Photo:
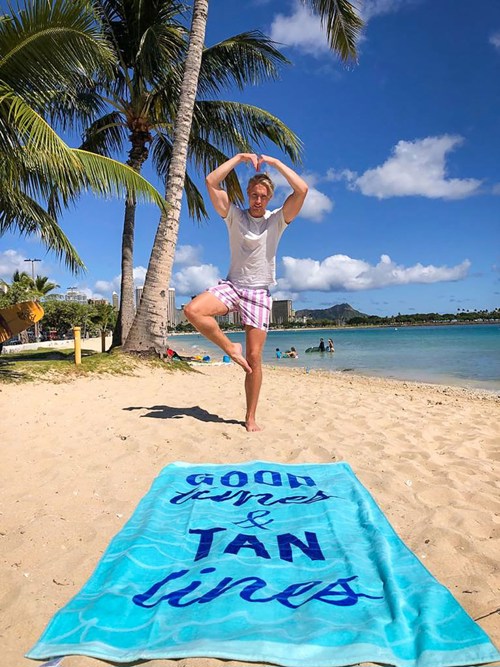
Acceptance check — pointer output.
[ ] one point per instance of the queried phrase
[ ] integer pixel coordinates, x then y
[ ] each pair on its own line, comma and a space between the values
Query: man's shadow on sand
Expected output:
169, 412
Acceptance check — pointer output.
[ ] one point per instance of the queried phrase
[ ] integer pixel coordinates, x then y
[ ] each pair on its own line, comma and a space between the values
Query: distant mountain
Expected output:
342, 312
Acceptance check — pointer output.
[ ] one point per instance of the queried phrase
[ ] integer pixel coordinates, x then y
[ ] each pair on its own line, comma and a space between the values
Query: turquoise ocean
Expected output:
463, 355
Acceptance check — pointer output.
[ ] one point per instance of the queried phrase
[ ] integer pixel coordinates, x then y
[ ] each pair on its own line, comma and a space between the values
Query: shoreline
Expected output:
300, 364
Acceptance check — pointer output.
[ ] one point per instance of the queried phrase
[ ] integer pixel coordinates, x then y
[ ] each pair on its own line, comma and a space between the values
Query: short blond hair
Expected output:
262, 179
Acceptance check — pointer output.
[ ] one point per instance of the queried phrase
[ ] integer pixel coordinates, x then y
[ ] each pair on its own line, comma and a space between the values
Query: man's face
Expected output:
258, 198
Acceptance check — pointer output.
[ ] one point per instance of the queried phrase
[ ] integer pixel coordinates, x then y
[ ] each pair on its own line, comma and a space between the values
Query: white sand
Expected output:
77, 458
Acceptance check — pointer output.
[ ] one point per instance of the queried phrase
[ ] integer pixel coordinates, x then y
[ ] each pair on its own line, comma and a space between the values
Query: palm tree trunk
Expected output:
149, 329
139, 153
126, 309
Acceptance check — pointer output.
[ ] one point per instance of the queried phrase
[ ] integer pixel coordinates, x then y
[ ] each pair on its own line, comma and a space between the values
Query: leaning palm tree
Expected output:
148, 330
47, 47
150, 45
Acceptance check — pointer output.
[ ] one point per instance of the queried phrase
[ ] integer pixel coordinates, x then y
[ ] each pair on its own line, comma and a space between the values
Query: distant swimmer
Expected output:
321, 345
330, 345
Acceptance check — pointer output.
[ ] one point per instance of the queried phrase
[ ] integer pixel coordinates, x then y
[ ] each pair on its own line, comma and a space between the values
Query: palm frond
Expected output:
236, 126
247, 58
195, 201
205, 157
21, 213
162, 154
204, 153
75, 109
106, 135
107, 177
47, 42
342, 23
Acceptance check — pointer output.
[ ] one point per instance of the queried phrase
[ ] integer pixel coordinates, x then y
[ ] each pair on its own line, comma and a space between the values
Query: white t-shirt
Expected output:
253, 243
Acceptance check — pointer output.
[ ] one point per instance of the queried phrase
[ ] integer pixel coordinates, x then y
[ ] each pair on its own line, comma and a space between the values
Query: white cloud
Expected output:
495, 39
343, 273
189, 278
302, 29
285, 295
344, 174
11, 261
113, 285
192, 280
139, 274
496, 189
108, 285
316, 205
417, 168
187, 254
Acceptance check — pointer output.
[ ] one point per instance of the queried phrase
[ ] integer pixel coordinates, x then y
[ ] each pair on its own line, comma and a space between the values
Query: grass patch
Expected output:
49, 365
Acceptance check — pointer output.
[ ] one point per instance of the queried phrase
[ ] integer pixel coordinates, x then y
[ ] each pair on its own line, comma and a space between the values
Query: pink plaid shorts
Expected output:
253, 305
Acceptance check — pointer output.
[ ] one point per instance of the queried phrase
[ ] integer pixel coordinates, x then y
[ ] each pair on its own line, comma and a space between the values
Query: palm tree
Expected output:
42, 286
45, 48
150, 45
149, 327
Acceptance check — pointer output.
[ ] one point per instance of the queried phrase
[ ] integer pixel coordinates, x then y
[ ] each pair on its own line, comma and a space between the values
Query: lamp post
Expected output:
37, 329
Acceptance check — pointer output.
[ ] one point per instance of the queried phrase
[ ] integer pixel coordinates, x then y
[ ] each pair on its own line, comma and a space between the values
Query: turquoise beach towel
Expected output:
287, 564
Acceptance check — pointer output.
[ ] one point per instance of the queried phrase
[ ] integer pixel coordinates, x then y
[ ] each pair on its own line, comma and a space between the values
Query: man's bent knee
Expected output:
204, 305
190, 311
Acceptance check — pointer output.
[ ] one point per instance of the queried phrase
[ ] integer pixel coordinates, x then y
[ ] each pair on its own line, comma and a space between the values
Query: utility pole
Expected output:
37, 328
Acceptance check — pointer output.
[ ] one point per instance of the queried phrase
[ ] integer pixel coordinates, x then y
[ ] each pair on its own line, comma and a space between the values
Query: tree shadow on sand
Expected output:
169, 412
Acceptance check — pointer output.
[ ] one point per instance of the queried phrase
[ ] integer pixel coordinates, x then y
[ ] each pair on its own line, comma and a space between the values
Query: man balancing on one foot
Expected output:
253, 238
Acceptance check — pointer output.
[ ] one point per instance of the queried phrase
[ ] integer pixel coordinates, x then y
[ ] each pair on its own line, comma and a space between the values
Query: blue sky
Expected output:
400, 153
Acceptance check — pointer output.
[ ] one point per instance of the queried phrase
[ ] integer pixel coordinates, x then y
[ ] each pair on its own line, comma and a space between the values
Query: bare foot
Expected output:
237, 356
251, 425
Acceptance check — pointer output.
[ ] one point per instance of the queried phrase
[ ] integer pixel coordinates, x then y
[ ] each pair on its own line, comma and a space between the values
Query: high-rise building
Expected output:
138, 296
114, 300
171, 311
281, 312
73, 294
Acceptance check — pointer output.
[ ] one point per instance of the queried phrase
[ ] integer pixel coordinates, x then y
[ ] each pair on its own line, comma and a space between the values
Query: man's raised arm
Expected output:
217, 194
293, 203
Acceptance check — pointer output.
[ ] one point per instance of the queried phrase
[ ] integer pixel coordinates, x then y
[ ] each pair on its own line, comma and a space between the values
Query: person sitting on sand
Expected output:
254, 235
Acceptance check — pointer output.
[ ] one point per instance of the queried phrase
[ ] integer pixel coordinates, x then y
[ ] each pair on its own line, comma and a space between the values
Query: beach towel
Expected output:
287, 564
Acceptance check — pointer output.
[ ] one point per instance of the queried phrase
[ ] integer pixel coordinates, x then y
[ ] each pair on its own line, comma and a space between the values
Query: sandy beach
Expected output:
77, 457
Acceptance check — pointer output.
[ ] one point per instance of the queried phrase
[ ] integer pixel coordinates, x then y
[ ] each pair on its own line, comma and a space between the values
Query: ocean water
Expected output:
464, 355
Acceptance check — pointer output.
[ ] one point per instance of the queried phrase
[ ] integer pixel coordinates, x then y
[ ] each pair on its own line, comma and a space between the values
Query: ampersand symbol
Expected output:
251, 520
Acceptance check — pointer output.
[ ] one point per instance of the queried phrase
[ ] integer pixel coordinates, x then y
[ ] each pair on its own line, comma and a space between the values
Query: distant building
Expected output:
96, 302
171, 310
138, 296
115, 301
224, 319
73, 294
282, 311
